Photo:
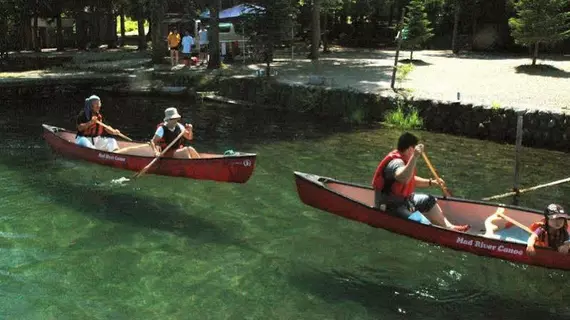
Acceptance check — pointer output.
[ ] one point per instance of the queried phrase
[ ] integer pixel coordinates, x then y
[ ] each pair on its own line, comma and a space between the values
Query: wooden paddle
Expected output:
109, 128
513, 221
512, 193
432, 169
145, 169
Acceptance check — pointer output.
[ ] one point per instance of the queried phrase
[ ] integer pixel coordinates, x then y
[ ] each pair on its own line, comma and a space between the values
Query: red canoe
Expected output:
355, 202
236, 168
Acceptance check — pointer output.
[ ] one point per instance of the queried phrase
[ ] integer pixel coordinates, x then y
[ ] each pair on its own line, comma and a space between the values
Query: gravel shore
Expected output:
482, 79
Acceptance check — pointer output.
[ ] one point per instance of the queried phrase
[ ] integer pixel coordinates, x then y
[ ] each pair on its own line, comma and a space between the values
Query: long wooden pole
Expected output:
395, 69
540, 186
518, 149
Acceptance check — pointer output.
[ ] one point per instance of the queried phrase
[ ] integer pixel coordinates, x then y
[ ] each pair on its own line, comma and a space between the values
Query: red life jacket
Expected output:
169, 136
94, 130
396, 188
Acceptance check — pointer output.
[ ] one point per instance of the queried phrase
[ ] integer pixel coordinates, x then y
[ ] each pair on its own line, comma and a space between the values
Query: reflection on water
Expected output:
74, 245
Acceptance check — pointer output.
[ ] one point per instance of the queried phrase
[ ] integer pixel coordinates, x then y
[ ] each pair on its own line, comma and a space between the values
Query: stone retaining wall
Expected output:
541, 129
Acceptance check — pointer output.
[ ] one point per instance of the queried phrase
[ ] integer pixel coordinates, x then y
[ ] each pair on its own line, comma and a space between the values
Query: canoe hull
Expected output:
235, 168
313, 191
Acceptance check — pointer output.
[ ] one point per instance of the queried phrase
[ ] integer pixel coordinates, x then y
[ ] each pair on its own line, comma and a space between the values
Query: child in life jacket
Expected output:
551, 232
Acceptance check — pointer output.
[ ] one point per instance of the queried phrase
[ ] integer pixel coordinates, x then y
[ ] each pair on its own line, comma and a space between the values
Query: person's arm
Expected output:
530, 244
188, 134
155, 139
82, 126
404, 174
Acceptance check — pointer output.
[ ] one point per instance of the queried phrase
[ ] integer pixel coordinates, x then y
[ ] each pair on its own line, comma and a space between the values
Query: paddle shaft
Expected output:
515, 222
145, 169
512, 193
109, 128
432, 169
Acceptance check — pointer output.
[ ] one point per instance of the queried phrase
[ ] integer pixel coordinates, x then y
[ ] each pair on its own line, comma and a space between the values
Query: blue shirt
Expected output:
187, 43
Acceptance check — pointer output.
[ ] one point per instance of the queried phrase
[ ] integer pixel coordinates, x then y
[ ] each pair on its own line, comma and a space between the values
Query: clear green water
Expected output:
75, 246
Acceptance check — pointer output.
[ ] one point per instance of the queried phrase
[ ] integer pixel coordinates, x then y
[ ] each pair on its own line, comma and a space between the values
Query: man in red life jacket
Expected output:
395, 181
168, 131
90, 134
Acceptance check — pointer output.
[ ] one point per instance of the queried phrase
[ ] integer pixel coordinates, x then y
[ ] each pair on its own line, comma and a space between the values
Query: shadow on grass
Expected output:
543, 70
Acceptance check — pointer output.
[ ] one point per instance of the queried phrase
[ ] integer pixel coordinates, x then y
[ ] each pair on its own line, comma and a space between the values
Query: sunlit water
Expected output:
76, 246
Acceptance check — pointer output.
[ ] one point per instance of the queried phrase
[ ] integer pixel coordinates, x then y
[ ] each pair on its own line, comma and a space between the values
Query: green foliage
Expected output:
418, 25
130, 25
403, 71
405, 116
540, 21
268, 24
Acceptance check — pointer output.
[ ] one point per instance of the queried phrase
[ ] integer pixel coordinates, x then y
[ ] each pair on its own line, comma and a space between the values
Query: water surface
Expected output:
76, 246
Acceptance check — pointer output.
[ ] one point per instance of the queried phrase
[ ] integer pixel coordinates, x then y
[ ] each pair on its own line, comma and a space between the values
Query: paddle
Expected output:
109, 128
512, 193
432, 169
513, 221
145, 169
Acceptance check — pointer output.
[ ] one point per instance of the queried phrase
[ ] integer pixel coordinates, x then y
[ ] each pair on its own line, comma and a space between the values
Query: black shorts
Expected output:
418, 202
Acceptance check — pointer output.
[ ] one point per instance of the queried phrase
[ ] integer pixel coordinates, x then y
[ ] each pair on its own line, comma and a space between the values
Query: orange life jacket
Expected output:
394, 187
543, 238
169, 136
93, 130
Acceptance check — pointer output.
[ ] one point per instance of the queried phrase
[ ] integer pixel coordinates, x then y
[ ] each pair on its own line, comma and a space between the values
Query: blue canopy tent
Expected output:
233, 12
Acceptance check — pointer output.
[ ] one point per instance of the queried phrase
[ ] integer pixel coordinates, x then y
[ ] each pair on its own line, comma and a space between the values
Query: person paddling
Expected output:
552, 231
90, 132
395, 181
168, 131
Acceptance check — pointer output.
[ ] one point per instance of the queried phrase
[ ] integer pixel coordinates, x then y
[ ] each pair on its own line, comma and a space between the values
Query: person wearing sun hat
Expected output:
90, 133
552, 231
168, 131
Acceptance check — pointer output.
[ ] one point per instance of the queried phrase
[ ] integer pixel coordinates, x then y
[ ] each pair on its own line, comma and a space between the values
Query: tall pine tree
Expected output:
417, 25
540, 21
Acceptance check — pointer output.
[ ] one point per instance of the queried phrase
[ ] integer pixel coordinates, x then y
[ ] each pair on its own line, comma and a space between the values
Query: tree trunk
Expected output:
214, 35
159, 47
36, 33
81, 32
316, 30
142, 36
535, 54
111, 30
59, 36
326, 33
122, 17
454, 44
391, 15
411, 55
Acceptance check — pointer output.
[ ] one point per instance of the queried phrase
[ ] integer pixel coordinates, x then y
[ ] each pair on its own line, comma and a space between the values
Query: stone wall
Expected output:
541, 129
